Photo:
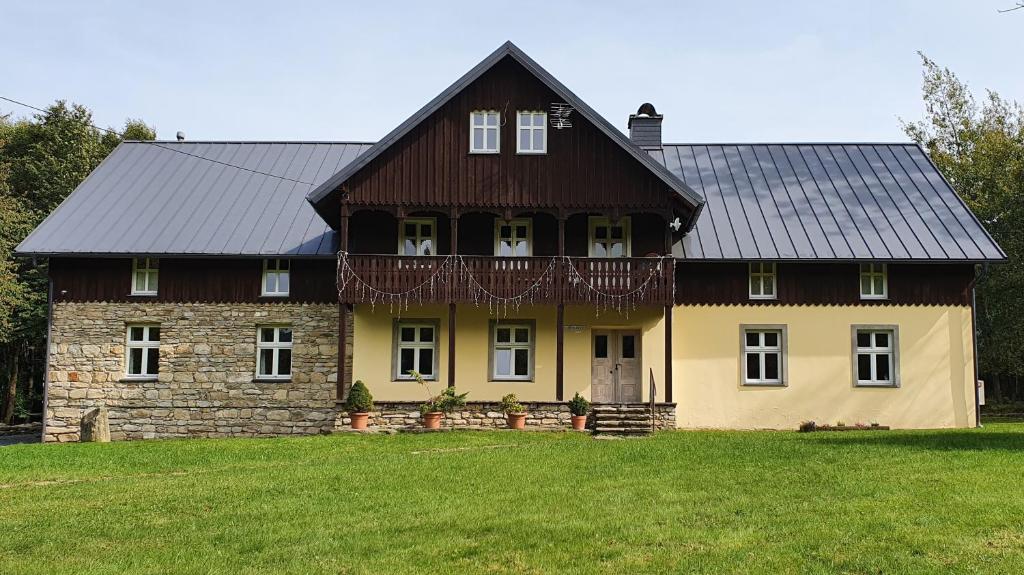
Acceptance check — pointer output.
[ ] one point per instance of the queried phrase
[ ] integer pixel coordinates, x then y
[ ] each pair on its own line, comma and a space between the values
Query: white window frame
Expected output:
485, 114
147, 346
892, 350
533, 129
762, 350
874, 272
149, 268
596, 221
762, 274
512, 346
275, 346
498, 223
417, 345
418, 240
272, 268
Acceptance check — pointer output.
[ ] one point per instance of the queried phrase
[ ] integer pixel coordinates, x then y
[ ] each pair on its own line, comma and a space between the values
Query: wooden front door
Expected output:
615, 366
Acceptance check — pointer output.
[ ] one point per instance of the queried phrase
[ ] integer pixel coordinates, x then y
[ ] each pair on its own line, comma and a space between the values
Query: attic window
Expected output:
483, 132
533, 133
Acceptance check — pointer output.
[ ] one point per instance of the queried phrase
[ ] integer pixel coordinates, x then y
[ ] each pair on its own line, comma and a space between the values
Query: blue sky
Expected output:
718, 71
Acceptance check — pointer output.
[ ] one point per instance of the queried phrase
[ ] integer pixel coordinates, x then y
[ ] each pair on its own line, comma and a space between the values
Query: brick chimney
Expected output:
645, 127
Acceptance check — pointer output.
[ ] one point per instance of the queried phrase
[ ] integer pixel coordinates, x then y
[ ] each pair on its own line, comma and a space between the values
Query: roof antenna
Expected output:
181, 136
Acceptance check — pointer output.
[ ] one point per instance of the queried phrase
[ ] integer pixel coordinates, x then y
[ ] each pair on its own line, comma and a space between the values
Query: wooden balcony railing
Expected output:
522, 280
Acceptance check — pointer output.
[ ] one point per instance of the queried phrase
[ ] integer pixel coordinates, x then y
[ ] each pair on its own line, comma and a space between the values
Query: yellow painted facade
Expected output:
935, 362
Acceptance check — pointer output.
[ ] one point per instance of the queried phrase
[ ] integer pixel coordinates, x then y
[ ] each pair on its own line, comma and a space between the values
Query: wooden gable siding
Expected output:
432, 166
824, 283
190, 280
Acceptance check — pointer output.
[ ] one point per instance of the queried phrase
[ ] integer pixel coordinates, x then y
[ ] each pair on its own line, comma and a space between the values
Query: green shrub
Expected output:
360, 400
510, 404
447, 402
578, 405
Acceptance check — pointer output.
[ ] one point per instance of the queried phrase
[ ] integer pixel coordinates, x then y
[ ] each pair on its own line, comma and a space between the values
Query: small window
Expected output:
274, 352
415, 350
601, 346
511, 351
145, 274
417, 237
276, 280
143, 351
762, 280
512, 238
874, 281
533, 132
875, 357
628, 347
764, 355
609, 239
483, 132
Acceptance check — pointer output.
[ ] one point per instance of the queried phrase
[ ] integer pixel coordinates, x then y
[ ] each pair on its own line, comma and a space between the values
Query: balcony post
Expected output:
454, 226
560, 314
342, 383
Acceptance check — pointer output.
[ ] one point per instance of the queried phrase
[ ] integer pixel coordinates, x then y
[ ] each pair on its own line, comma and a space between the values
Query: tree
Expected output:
980, 150
41, 161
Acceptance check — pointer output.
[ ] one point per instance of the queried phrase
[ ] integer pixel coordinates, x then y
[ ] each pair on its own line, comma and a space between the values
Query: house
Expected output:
508, 239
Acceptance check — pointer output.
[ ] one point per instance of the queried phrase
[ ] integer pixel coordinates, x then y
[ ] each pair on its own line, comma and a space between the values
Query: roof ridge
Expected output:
795, 143
347, 142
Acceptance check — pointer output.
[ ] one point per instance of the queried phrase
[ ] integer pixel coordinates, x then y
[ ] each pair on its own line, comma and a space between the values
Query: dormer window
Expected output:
483, 132
533, 133
874, 281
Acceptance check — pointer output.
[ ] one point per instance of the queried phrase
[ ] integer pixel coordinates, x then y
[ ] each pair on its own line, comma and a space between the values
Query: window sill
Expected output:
869, 385
763, 384
510, 380
484, 152
139, 379
528, 153
275, 295
271, 380
147, 294
763, 298
410, 380
874, 297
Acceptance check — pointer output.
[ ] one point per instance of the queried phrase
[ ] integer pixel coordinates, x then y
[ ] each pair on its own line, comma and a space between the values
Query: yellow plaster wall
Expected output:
372, 350
935, 362
936, 370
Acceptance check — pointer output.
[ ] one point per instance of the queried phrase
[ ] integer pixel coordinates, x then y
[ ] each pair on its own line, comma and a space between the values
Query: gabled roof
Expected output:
324, 197
189, 199
880, 202
872, 202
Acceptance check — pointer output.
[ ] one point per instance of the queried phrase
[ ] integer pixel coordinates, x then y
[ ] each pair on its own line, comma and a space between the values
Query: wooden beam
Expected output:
451, 345
342, 383
560, 353
668, 353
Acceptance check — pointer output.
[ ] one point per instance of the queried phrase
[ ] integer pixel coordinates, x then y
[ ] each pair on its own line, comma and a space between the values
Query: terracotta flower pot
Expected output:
359, 420
579, 422
432, 420
516, 420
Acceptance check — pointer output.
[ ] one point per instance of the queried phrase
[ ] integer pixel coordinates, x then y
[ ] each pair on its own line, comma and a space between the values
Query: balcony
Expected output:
544, 280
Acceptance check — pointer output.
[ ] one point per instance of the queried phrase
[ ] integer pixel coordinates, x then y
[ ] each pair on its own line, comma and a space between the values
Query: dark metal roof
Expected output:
322, 196
824, 202
183, 198
764, 201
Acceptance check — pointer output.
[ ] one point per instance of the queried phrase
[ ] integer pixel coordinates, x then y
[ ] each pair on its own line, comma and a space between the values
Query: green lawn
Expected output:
474, 502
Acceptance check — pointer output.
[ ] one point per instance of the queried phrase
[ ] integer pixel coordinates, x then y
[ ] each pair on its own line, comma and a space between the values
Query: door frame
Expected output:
614, 352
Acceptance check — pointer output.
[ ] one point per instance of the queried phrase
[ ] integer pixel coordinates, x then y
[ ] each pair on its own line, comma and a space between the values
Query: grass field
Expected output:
475, 502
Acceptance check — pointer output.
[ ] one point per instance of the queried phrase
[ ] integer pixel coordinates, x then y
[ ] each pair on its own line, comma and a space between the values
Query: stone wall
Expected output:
487, 415
206, 385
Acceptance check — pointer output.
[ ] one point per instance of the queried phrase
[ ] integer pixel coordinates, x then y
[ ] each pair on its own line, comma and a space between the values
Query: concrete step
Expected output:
622, 431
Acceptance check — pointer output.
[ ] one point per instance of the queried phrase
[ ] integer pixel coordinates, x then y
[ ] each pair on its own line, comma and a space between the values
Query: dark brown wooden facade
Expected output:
583, 169
184, 280
713, 283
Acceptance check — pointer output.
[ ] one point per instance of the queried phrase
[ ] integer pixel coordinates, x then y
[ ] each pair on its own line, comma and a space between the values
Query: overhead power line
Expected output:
159, 145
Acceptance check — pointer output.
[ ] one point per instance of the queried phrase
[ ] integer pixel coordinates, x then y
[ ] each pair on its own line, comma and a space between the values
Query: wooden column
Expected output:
454, 225
560, 315
668, 353
342, 385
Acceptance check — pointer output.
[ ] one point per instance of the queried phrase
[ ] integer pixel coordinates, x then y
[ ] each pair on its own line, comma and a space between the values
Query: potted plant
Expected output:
515, 413
359, 404
437, 405
579, 407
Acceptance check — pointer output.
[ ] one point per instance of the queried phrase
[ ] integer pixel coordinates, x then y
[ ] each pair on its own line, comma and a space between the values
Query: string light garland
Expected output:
453, 268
